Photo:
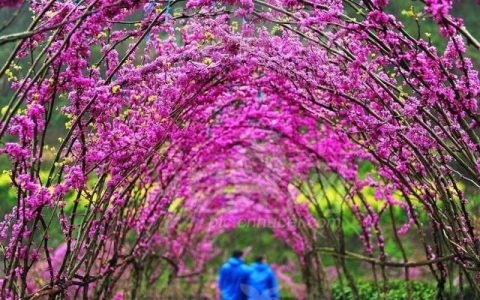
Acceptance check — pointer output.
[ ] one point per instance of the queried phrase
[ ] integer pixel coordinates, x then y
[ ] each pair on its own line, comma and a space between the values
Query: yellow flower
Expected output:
10, 75
234, 26
16, 67
276, 30
68, 160
409, 13
207, 61
4, 110
115, 89
152, 98
208, 36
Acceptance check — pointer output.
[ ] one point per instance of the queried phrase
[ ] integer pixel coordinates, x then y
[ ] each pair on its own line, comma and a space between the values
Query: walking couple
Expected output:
237, 281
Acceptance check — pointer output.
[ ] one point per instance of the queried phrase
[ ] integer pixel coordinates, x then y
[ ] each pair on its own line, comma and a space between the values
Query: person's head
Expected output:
260, 259
237, 253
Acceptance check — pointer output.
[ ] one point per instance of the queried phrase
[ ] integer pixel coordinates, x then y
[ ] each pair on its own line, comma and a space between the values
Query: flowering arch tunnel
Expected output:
185, 119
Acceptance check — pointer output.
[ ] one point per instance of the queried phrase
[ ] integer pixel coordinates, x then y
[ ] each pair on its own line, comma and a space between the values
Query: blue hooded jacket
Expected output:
262, 284
233, 276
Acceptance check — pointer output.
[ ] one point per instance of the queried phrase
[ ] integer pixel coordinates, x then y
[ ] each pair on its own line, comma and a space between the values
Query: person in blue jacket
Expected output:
233, 276
262, 284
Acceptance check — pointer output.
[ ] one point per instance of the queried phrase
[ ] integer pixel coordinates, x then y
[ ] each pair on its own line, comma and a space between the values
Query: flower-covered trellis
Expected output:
179, 114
